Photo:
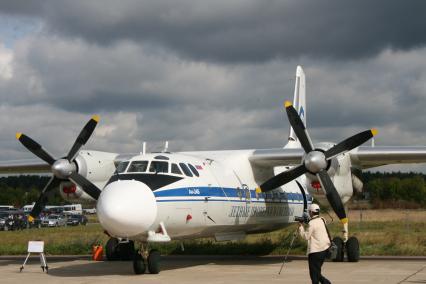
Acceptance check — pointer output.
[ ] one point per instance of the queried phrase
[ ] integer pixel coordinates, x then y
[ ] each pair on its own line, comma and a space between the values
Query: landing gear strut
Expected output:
142, 259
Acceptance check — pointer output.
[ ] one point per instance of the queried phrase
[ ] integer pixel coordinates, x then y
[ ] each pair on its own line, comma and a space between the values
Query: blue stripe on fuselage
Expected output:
213, 192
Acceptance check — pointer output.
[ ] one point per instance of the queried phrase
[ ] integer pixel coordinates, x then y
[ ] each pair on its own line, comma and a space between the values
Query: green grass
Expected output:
377, 238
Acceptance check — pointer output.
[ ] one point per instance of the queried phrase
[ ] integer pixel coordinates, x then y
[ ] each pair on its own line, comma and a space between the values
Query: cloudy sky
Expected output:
208, 74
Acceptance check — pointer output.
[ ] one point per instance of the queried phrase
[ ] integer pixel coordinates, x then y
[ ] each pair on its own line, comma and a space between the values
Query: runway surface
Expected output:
212, 269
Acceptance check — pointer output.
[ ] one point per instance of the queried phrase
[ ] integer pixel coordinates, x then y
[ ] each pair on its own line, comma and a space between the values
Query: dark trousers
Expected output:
316, 260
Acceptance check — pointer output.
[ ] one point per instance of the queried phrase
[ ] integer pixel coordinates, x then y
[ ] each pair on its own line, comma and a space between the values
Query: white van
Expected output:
28, 208
73, 209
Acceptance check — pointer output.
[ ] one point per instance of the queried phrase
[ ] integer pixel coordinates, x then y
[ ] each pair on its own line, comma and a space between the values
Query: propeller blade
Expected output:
43, 198
350, 143
86, 185
35, 148
298, 127
282, 178
332, 195
84, 135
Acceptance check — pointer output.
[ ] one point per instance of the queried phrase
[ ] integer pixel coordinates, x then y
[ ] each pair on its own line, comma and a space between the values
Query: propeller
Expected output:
316, 161
63, 168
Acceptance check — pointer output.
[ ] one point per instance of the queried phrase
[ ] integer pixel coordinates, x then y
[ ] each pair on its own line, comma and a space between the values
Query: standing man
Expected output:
318, 244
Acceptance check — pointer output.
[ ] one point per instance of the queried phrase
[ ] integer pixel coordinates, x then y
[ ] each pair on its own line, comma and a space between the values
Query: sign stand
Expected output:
36, 247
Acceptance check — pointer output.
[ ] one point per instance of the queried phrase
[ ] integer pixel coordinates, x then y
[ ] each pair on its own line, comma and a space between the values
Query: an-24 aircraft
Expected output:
158, 197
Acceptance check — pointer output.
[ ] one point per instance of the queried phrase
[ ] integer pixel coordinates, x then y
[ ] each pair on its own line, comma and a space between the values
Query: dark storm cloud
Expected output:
241, 31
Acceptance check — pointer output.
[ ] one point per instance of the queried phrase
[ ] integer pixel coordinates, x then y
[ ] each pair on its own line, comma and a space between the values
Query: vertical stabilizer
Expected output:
299, 103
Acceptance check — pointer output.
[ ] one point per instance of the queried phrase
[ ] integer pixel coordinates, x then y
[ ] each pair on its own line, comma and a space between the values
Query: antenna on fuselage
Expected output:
143, 148
166, 146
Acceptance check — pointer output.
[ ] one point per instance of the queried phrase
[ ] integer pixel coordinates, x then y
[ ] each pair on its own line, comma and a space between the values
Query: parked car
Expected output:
76, 219
12, 220
53, 221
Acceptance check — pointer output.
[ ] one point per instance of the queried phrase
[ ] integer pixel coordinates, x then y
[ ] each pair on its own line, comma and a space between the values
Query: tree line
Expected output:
382, 190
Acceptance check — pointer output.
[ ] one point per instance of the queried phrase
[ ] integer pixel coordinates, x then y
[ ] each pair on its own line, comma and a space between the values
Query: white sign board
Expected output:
36, 246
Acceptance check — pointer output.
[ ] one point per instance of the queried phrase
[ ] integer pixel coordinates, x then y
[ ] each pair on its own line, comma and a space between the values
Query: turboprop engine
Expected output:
339, 170
93, 165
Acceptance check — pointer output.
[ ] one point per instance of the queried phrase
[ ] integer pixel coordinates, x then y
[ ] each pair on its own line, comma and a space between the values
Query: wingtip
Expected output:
30, 218
258, 190
96, 118
344, 220
287, 104
374, 131
18, 135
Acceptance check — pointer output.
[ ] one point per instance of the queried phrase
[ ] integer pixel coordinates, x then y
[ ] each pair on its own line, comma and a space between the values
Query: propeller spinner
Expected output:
316, 161
62, 169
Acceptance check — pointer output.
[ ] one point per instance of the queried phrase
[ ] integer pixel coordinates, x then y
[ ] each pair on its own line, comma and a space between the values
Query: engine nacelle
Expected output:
96, 166
339, 170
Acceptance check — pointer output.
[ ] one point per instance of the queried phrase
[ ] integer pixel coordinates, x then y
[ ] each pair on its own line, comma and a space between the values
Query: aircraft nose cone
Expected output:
126, 208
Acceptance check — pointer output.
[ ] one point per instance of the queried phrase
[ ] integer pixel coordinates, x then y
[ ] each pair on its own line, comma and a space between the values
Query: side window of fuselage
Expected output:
194, 170
185, 169
175, 169
121, 167
138, 167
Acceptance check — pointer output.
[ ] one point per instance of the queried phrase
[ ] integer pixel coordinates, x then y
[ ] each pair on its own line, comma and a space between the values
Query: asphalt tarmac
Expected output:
212, 269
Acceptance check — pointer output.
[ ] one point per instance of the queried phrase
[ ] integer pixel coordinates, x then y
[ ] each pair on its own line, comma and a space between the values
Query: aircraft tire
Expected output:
340, 249
111, 251
139, 266
126, 251
352, 249
154, 261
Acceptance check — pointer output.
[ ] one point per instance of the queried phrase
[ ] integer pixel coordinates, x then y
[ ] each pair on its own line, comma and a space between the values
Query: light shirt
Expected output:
316, 235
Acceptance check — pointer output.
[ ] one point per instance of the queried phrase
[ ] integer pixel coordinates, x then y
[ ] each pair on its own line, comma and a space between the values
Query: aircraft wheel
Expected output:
340, 249
154, 261
111, 250
126, 250
138, 263
352, 249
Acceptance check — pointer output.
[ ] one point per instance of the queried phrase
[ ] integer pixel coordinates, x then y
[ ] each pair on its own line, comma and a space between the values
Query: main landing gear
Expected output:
351, 247
142, 259
116, 250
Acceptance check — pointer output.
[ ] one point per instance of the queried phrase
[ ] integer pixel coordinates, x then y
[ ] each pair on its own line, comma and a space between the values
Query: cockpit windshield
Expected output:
121, 167
159, 167
138, 166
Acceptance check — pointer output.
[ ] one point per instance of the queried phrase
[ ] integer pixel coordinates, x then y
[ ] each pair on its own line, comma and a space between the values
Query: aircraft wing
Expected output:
363, 157
24, 167
277, 157
369, 157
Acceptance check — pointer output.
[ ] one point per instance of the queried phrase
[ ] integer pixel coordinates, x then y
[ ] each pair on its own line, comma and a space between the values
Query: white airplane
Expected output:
158, 197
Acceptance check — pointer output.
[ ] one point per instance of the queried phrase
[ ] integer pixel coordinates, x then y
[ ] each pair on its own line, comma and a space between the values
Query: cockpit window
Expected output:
138, 166
159, 167
175, 169
121, 167
185, 169
194, 170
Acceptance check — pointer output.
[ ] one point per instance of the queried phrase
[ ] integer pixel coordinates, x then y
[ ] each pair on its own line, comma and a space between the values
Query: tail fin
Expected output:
299, 102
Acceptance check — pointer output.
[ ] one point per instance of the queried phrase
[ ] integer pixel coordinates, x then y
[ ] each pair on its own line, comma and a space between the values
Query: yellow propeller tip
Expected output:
96, 118
374, 131
18, 135
344, 220
287, 104
30, 218
258, 190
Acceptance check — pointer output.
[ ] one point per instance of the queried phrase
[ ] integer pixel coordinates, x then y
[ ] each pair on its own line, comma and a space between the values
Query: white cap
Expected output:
314, 208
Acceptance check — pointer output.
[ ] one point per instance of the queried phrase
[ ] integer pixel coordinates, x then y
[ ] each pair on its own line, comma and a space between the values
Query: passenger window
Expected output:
175, 169
185, 169
138, 167
121, 167
194, 170
159, 167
